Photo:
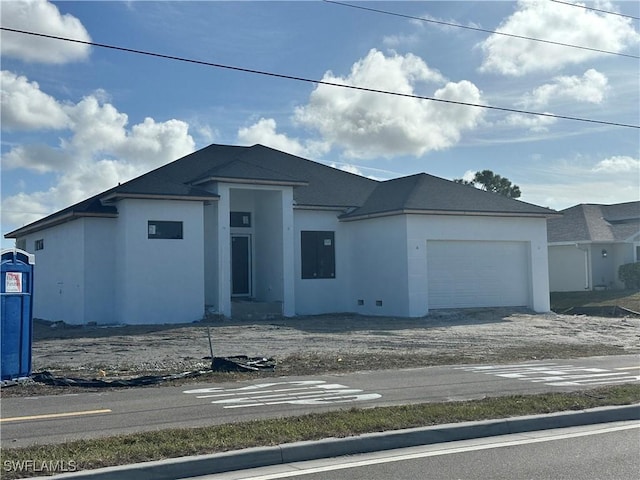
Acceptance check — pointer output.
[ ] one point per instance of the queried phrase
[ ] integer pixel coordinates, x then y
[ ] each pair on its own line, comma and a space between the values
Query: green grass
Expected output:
630, 299
140, 447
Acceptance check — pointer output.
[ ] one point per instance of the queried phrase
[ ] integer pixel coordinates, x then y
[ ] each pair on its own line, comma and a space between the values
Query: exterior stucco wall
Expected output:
380, 271
59, 272
569, 268
99, 271
159, 280
322, 295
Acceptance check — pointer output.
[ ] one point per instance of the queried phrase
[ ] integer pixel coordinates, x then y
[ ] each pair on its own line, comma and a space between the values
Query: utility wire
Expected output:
319, 82
477, 29
596, 9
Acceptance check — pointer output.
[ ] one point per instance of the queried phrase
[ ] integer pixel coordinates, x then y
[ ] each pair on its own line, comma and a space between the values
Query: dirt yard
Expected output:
333, 342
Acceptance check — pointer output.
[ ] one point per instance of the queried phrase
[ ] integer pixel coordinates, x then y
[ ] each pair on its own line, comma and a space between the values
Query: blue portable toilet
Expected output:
16, 288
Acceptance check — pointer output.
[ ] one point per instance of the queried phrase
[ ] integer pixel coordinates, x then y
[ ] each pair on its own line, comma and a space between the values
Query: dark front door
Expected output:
241, 265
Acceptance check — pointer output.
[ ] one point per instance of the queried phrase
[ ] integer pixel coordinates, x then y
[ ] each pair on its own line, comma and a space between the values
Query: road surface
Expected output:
605, 451
58, 418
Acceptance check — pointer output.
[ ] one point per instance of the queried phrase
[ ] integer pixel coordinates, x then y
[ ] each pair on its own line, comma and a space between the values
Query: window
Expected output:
318, 254
163, 229
21, 244
240, 219
39, 244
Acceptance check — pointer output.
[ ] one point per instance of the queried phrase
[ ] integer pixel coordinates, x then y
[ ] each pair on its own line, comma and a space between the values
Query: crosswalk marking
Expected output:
303, 392
557, 374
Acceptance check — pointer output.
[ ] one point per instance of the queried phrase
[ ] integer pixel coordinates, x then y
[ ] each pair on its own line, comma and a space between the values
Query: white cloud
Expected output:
40, 16
26, 107
367, 124
533, 123
558, 23
590, 88
564, 183
618, 164
264, 132
100, 151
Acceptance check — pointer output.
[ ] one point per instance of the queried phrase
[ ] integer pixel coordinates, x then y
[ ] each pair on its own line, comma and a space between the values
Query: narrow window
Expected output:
318, 254
164, 229
39, 244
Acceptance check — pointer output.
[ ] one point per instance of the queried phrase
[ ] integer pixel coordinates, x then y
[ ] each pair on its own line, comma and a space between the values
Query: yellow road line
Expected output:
629, 368
54, 415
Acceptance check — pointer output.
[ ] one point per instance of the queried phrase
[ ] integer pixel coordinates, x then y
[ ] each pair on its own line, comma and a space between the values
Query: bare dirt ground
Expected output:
481, 334
328, 343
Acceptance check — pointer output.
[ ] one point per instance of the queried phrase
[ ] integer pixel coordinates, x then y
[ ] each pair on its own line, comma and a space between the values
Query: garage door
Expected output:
477, 274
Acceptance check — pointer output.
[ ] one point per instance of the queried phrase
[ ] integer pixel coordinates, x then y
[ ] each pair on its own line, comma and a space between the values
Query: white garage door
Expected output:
477, 274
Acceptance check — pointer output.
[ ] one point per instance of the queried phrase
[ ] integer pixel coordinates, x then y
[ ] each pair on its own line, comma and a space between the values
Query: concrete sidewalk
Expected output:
193, 466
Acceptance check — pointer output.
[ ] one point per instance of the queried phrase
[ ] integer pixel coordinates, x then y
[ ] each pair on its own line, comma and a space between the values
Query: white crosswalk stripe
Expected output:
557, 374
303, 392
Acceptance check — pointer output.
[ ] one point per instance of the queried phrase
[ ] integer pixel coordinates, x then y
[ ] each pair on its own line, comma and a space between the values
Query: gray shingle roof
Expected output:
315, 185
595, 223
423, 192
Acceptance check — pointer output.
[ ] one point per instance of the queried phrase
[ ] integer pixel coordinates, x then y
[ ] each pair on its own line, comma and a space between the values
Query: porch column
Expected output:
224, 252
288, 249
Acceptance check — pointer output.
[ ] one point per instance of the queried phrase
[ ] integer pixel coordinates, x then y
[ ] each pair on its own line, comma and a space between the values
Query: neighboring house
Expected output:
588, 244
230, 223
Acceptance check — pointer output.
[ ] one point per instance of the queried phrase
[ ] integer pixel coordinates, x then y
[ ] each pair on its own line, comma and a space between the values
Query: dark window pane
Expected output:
318, 254
240, 219
164, 229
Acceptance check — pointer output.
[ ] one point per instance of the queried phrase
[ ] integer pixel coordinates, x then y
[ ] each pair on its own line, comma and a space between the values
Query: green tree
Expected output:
489, 181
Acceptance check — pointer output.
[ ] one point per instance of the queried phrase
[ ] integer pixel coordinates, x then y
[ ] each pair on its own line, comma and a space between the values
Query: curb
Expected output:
193, 466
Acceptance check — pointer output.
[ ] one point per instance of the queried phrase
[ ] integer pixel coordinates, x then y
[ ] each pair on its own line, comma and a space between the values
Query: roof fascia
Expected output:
336, 208
251, 181
569, 243
114, 197
43, 225
447, 212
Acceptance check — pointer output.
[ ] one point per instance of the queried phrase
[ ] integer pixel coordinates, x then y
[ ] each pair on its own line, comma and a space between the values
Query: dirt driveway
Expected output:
333, 342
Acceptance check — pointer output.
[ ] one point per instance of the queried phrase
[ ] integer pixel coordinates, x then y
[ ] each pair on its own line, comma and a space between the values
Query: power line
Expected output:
478, 29
596, 9
318, 82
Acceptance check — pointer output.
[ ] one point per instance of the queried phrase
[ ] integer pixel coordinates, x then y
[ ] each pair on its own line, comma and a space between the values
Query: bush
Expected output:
629, 273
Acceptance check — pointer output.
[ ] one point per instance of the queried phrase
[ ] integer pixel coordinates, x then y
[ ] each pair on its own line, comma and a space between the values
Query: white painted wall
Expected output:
99, 270
322, 295
58, 275
380, 266
159, 280
268, 247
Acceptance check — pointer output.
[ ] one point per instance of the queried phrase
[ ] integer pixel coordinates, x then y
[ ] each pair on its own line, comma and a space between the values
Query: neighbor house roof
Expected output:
315, 186
595, 223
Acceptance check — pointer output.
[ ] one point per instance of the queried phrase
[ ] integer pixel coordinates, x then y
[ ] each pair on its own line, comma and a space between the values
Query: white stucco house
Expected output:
229, 223
589, 242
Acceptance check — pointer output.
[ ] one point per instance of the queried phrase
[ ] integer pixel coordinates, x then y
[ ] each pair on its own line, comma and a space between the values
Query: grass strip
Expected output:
157, 445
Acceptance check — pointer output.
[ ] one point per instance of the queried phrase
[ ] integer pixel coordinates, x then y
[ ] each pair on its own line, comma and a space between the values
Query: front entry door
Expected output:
241, 265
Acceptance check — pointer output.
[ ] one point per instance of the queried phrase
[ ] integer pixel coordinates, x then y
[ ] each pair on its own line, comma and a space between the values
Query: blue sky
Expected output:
78, 119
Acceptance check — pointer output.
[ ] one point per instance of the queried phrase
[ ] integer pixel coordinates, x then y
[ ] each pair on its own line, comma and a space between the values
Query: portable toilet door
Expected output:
16, 290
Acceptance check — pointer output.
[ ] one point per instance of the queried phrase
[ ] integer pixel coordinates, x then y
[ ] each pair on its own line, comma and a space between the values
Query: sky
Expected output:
78, 119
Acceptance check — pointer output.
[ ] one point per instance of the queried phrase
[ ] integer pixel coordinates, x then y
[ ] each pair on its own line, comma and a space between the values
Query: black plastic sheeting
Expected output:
240, 363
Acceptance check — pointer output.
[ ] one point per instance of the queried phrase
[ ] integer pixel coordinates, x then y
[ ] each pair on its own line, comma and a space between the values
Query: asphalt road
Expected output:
58, 418
605, 451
